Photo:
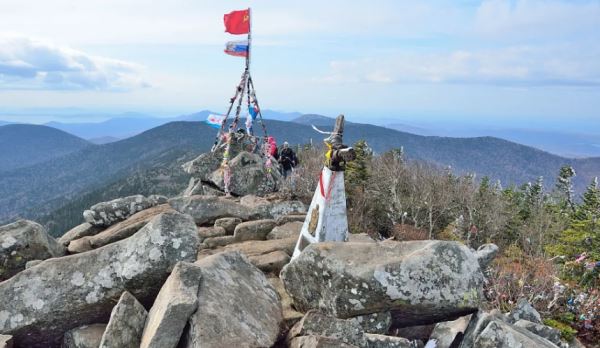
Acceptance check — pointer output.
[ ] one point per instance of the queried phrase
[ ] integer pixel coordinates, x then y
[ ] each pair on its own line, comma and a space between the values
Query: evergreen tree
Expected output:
564, 186
590, 207
357, 172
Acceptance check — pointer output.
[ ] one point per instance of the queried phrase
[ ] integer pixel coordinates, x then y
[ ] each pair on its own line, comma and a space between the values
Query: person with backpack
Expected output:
287, 160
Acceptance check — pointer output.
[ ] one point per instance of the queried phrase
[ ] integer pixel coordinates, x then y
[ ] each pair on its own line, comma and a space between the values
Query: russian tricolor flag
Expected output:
237, 48
215, 121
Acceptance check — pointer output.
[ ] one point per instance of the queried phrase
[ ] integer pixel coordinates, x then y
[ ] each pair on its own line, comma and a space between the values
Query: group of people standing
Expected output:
286, 158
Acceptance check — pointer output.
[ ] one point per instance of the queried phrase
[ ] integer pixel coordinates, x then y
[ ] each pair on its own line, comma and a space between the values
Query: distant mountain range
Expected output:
23, 145
150, 162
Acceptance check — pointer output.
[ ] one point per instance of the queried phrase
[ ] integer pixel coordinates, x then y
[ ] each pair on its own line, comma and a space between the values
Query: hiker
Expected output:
272, 148
288, 160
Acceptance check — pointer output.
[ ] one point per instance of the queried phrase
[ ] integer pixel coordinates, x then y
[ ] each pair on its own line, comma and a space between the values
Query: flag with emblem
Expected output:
215, 121
237, 22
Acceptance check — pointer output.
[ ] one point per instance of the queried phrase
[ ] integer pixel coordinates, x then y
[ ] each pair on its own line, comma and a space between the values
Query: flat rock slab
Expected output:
109, 213
121, 230
41, 303
175, 303
272, 262
449, 333
253, 230
315, 323
547, 332
126, 324
420, 282
318, 342
87, 336
499, 334
24, 241
254, 248
228, 224
382, 341
83, 230
287, 230
211, 232
376, 323
237, 306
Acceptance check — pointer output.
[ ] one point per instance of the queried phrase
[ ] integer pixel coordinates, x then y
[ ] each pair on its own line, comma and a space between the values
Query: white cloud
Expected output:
563, 65
27, 63
538, 19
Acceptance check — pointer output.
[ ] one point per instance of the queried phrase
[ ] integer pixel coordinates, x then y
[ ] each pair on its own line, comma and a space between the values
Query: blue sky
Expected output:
513, 61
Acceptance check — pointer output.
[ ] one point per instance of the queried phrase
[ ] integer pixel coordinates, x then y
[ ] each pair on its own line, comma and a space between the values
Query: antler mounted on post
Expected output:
326, 219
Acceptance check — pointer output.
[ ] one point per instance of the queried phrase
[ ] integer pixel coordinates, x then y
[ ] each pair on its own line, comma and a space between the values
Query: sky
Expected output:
514, 61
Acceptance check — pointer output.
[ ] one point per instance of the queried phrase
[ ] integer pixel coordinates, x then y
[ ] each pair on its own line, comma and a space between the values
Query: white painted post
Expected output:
326, 219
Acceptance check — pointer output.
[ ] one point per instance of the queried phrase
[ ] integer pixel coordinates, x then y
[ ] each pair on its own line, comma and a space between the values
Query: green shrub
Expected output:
566, 332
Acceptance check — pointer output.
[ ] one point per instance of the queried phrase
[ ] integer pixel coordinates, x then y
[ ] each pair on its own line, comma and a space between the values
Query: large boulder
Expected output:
248, 175
421, 282
253, 230
118, 231
287, 230
80, 231
202, 166
547, 332
108, 213
450, 333
499, 334
126, 324
24, 241
175, 303
207, 209
315, 323
41, 303
524, 310
87, 336
237, 306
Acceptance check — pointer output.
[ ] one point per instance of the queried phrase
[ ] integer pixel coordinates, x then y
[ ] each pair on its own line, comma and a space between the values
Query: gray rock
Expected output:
318, 342
175, 303
417, 332
218, 241
376, 323
547, 332
6, 341
290, 315
381, 341
272, 262
477, 324
24, 241
524, 310
202, 166
237, 306
255, 247
315, 323
263, 208
41, 303
282, 220
450, 333
421, 282
486, 254
211, 232
207, 209
32, 263
119, 231
106, 214
360, 237
126, 324
253, 230
228, 224
249, 176
83, 230
287, 230
499, 334
87, 336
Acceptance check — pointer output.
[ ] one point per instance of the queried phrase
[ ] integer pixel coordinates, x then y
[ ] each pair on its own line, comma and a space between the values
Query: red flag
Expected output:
237, 22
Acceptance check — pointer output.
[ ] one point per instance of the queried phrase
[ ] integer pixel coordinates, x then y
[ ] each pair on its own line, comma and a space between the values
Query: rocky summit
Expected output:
208, 270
